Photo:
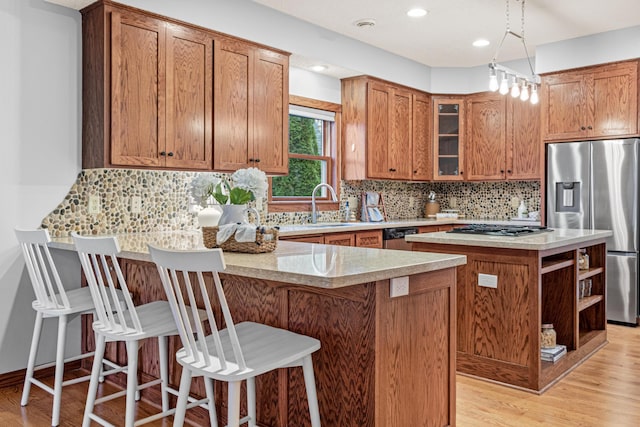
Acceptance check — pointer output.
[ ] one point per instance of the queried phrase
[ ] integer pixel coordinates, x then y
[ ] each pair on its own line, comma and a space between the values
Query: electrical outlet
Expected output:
94, 204
399, 286
515, 202
136, 204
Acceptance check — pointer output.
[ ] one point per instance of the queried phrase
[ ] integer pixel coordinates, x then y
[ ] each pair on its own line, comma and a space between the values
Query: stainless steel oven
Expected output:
393, 238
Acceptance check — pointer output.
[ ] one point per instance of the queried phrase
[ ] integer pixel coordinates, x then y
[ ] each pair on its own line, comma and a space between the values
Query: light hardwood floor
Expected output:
603, 392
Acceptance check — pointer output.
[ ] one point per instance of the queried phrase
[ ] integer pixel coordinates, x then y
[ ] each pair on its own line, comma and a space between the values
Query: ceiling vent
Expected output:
365, 23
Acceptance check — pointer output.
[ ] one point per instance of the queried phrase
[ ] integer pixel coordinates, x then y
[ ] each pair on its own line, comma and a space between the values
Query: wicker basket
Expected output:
266, 241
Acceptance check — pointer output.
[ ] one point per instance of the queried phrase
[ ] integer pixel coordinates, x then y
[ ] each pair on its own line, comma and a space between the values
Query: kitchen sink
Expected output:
327, 224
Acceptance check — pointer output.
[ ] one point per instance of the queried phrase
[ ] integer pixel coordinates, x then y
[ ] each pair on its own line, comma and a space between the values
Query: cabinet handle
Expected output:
508, 170
461, 173
583, 128
415, 171
170, 154
257, 160
251, 160
163, 153
392, 170
501, 170
590, 127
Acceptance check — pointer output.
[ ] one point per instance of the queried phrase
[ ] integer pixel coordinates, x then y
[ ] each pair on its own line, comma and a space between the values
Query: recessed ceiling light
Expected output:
417, 12
365, 23
319, 67
481, 43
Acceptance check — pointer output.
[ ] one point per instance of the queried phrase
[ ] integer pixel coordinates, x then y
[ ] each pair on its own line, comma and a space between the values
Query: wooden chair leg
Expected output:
183, 395
310, 385
132, 382
33, 352
57, 382
251, 401
211, 395
95, 379
163, 348
233, 404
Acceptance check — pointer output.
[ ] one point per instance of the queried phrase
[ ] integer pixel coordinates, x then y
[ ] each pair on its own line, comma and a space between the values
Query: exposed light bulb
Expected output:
524, 93
493, 80
534, 94
504, 84
515, 88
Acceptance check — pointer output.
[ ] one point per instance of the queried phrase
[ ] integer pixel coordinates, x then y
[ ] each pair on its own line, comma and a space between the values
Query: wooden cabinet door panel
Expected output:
524, 145
233, 91
564, 107
137, 89
378, 105
486, 137
615, 101
369, 239
189, 142
340, 239
422, 168
270, 114
401, 118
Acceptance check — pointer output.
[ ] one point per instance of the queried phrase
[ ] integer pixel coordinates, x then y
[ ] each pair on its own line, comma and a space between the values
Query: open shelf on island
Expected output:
587, 302
553, 264
585, 274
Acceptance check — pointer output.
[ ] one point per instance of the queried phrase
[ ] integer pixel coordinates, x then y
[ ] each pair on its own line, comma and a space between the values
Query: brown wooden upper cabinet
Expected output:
149, 98
422, 158
147, 91
383, 123
448, 139
594, 102
251, 108
502, 138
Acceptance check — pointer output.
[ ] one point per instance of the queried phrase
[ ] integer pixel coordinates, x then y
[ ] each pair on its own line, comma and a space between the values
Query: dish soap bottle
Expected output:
347, 212
522, 210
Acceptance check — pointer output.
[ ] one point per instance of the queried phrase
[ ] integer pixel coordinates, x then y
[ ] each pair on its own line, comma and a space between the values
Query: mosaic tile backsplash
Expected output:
166, 203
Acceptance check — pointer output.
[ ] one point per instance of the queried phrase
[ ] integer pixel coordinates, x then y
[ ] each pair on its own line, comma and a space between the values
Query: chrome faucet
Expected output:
314, 213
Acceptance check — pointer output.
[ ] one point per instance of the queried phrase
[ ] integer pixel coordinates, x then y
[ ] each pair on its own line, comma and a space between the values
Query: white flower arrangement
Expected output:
202, 187
245, 185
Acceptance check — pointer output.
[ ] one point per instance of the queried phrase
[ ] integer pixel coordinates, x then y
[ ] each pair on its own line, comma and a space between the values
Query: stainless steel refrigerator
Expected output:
594, 185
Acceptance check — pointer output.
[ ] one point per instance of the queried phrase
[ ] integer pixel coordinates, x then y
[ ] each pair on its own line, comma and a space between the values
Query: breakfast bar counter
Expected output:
385, 320
510, 286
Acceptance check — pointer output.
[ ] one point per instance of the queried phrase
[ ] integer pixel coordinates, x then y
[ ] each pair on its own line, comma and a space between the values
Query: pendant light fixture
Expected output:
511, 80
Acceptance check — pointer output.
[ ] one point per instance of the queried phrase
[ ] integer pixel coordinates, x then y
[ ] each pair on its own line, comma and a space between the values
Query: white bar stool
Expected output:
239, 352
52, 300
123, 322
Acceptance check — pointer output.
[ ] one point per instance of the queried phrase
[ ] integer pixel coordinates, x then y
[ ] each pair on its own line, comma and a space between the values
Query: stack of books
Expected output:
553, 354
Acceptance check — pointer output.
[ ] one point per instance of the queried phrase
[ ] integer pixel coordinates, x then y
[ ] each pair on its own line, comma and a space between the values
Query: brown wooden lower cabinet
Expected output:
383, 362
363, 239
498, 328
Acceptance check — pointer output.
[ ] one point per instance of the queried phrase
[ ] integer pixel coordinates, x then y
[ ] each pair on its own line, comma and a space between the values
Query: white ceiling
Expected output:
443, 38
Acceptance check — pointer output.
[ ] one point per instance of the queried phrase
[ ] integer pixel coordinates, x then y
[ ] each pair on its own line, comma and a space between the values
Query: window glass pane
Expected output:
303, 176
306, 136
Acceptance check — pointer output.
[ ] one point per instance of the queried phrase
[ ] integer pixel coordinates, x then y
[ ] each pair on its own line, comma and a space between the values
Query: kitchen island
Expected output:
509, 287
384, 361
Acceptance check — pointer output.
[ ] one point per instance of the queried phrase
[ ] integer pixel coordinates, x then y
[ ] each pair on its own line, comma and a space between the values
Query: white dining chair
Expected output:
124, 322
52, 301
236, 353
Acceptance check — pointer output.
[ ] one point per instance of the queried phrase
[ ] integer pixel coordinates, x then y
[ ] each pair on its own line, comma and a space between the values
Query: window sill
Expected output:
302, 206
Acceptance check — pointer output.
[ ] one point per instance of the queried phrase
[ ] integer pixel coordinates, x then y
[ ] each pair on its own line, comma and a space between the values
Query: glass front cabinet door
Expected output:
448, 139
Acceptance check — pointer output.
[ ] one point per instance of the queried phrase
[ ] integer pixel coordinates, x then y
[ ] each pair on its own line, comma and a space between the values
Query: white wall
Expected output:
40, 134
589, 50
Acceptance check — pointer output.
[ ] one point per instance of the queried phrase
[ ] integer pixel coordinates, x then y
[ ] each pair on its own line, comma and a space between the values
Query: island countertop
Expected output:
555, 238
324, 266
